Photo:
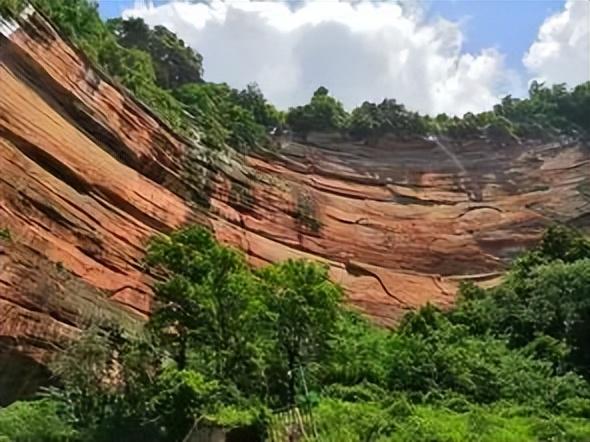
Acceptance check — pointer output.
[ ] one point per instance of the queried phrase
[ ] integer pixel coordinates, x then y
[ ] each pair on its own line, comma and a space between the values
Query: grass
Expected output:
399, 421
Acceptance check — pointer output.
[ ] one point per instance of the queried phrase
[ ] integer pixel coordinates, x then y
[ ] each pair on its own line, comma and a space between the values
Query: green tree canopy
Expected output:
306, 307
252, 99
210, 308
370, 121
323, 112
175, 63
223, 120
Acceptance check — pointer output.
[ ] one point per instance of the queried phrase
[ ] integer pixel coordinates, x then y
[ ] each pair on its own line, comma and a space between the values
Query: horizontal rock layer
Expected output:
88, 175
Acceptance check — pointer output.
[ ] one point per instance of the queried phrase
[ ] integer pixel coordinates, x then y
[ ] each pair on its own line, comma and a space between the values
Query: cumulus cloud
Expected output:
561, 52
361, 50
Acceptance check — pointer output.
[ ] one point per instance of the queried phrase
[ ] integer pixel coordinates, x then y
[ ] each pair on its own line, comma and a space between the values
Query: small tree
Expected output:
86, 370
322, 113
101, 396
306, 306
252, 99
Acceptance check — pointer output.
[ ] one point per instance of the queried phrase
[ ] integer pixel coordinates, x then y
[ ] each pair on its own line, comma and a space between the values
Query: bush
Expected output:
35, 421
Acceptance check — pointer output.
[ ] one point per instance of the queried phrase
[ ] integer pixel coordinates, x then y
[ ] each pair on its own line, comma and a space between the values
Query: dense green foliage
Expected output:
548, 112
175, 64
305, 306
544, 302
35, 421
212, 303
401, 421
223, 121
323, 113
371, 120
226, 344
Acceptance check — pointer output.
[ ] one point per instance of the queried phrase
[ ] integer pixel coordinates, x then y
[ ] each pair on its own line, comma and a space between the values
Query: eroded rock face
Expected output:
88, 175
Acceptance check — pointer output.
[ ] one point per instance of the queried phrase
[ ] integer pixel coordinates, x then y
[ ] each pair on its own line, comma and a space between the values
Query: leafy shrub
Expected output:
217, 110
35, 421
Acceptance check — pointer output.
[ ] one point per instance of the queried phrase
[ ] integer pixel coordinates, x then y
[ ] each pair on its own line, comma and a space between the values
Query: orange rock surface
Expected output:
88, 175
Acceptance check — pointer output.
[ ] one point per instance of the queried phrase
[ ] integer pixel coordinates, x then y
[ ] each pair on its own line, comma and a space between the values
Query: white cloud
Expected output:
360, 50
561, 53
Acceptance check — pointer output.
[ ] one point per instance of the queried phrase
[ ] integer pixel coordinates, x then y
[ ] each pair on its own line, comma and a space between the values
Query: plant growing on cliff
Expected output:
11, 8
305, 212
218, 112
241, 196
548, 112
4, 234
252, 99
370, 121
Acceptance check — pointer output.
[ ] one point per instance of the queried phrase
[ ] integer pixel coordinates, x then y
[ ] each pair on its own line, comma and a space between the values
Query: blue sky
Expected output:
509, 25
463, 63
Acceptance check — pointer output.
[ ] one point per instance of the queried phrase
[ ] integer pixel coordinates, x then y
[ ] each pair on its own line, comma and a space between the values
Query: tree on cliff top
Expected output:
174, 62
323, 112
371, 121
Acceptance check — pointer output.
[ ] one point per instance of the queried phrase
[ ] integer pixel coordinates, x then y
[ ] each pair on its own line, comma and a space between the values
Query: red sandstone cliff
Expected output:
88, 175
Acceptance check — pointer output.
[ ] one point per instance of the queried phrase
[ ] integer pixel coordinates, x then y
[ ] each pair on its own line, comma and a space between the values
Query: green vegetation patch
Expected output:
584, 189
226, 345
241, 196
43, 420
547, 113
5, 234
306, 212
